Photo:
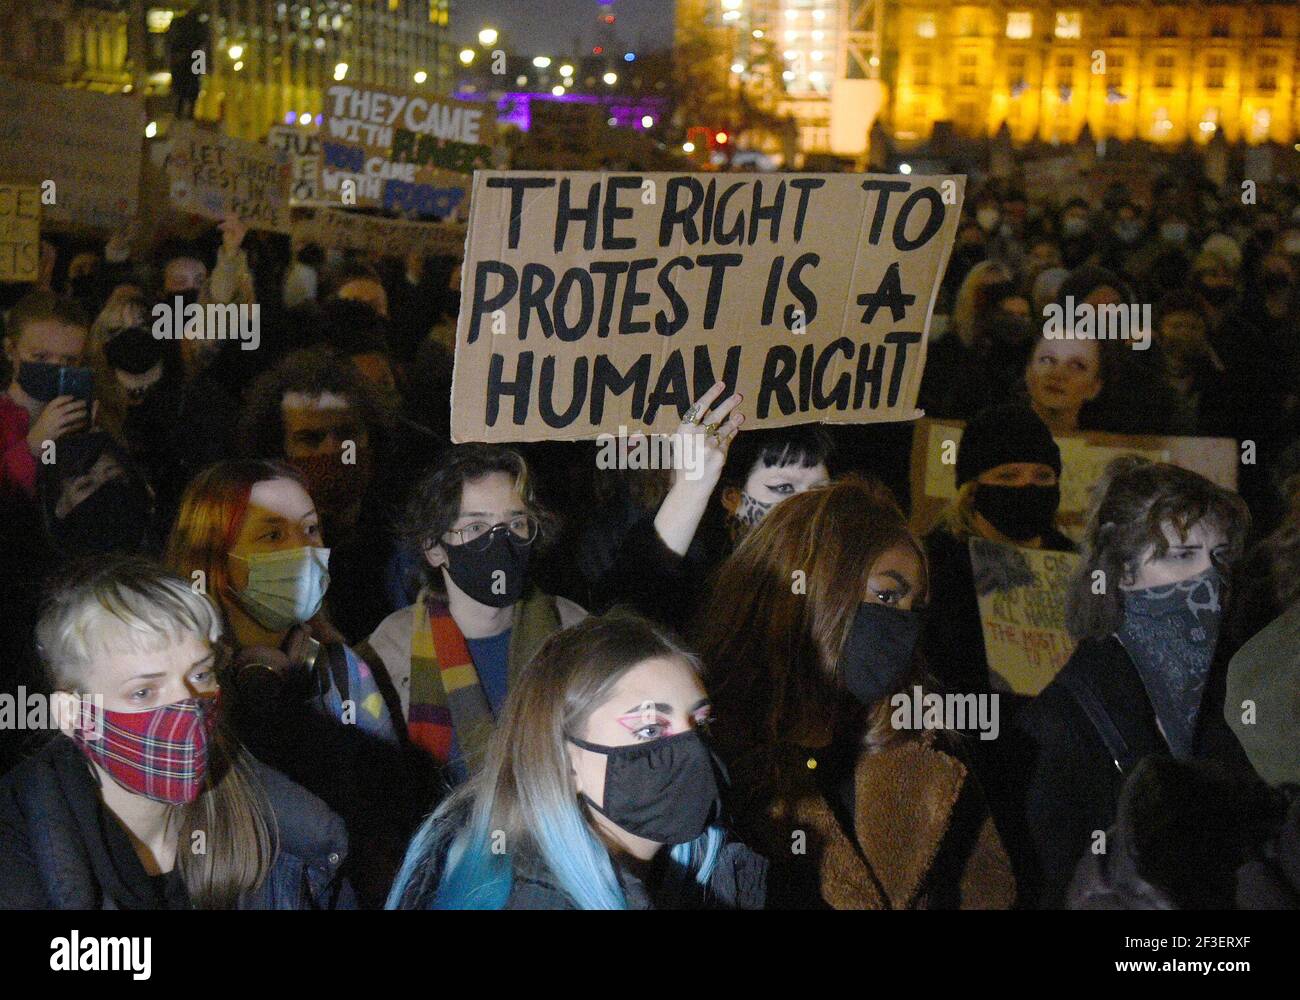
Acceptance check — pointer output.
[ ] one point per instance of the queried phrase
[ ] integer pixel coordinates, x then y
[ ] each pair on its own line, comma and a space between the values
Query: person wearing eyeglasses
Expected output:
453, 654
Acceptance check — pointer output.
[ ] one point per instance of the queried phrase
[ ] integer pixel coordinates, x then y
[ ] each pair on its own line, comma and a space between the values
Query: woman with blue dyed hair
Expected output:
598, 791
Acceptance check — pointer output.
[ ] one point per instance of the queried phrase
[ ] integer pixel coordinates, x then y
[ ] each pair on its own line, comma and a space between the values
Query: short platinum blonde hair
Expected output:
122, 604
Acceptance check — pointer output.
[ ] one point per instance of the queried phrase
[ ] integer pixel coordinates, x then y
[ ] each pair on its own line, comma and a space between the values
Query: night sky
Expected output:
548, 27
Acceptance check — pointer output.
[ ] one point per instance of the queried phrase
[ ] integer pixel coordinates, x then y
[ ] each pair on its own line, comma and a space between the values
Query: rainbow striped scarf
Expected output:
446, 696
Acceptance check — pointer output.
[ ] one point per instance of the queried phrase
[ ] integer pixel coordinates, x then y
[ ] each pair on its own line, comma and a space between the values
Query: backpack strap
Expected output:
1086, 697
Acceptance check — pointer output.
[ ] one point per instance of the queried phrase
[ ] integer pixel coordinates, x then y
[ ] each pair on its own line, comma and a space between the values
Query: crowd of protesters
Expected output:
276, 612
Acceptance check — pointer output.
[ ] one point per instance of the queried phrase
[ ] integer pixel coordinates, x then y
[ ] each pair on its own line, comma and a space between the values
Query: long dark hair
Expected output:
780, 610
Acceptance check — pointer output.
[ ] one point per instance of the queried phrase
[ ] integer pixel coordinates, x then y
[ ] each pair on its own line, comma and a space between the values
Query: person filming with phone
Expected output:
49, 394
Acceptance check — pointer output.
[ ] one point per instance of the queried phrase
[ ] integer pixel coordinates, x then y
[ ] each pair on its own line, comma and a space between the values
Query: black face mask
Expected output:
112, 519
39, 379
476, 571
1019, 512
878, 651
666, 791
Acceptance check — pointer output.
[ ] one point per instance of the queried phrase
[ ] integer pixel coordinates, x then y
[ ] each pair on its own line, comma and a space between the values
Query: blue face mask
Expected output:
285, 588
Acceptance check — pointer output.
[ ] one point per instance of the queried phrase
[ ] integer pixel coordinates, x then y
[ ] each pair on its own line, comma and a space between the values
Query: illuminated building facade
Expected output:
1160, 70
264, 58
269, 59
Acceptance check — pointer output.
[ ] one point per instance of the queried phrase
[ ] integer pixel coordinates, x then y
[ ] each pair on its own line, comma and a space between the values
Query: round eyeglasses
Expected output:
478, 536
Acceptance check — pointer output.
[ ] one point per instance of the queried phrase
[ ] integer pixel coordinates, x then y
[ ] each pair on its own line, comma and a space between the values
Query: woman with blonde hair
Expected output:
146, 800
598, 790
810, 642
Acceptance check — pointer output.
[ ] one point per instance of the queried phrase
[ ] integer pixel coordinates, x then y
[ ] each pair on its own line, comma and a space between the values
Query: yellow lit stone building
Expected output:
1159, 70
265, 58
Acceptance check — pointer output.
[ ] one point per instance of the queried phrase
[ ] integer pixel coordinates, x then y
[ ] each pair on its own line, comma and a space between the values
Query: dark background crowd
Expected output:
356, 355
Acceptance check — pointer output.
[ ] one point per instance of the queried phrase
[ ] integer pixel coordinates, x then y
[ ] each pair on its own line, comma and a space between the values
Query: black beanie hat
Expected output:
1007, 433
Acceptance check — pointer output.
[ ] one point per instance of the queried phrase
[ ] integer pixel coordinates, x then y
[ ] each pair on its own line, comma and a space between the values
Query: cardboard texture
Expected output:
20, 232
594, 301
1021, 595
89, 145
333, 227
403, 152
301, 150
212, 174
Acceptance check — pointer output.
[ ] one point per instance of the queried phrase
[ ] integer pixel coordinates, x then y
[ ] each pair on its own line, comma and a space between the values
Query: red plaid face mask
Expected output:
161, 754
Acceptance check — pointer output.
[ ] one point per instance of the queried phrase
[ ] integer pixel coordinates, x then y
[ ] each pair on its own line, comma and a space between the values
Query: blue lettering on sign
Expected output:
421, 199
344, 157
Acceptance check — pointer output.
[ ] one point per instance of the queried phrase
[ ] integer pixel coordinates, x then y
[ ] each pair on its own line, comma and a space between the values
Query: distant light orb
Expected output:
689, 147
566, 69
647, 121
488, 36
610, 78
541, 62
557, 90
420, 76
151, 130
304, 118
466, 56
630, 57
904, 168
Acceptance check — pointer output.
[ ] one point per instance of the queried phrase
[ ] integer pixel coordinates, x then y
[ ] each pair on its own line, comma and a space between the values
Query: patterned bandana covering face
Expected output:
748, 513
1170, 632
161, 754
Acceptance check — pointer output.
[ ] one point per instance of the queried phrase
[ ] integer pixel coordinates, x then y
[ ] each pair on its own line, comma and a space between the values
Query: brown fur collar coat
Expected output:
921, 833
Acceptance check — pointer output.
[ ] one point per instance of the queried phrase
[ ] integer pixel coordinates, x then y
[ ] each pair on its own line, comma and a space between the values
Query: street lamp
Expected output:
235, 51
488, 36
466, 56
566, 69
541, 62
340, 71
420, 76
610, 78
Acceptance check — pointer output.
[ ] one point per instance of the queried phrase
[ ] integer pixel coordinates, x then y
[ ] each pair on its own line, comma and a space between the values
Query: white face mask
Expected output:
285, 588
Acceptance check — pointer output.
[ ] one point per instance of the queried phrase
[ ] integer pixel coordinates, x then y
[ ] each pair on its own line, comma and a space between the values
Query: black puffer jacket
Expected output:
61, 849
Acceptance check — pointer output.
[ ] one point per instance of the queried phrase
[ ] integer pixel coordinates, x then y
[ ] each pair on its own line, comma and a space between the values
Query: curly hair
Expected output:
313, 372
434, 503
1132, 503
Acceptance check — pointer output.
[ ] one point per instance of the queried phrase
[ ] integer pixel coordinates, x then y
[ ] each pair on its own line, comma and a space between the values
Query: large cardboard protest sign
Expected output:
213, 175
20, 232
402, 152
594, 301
333, 227
87, 144
1021, 594
1084, 456
301, 150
